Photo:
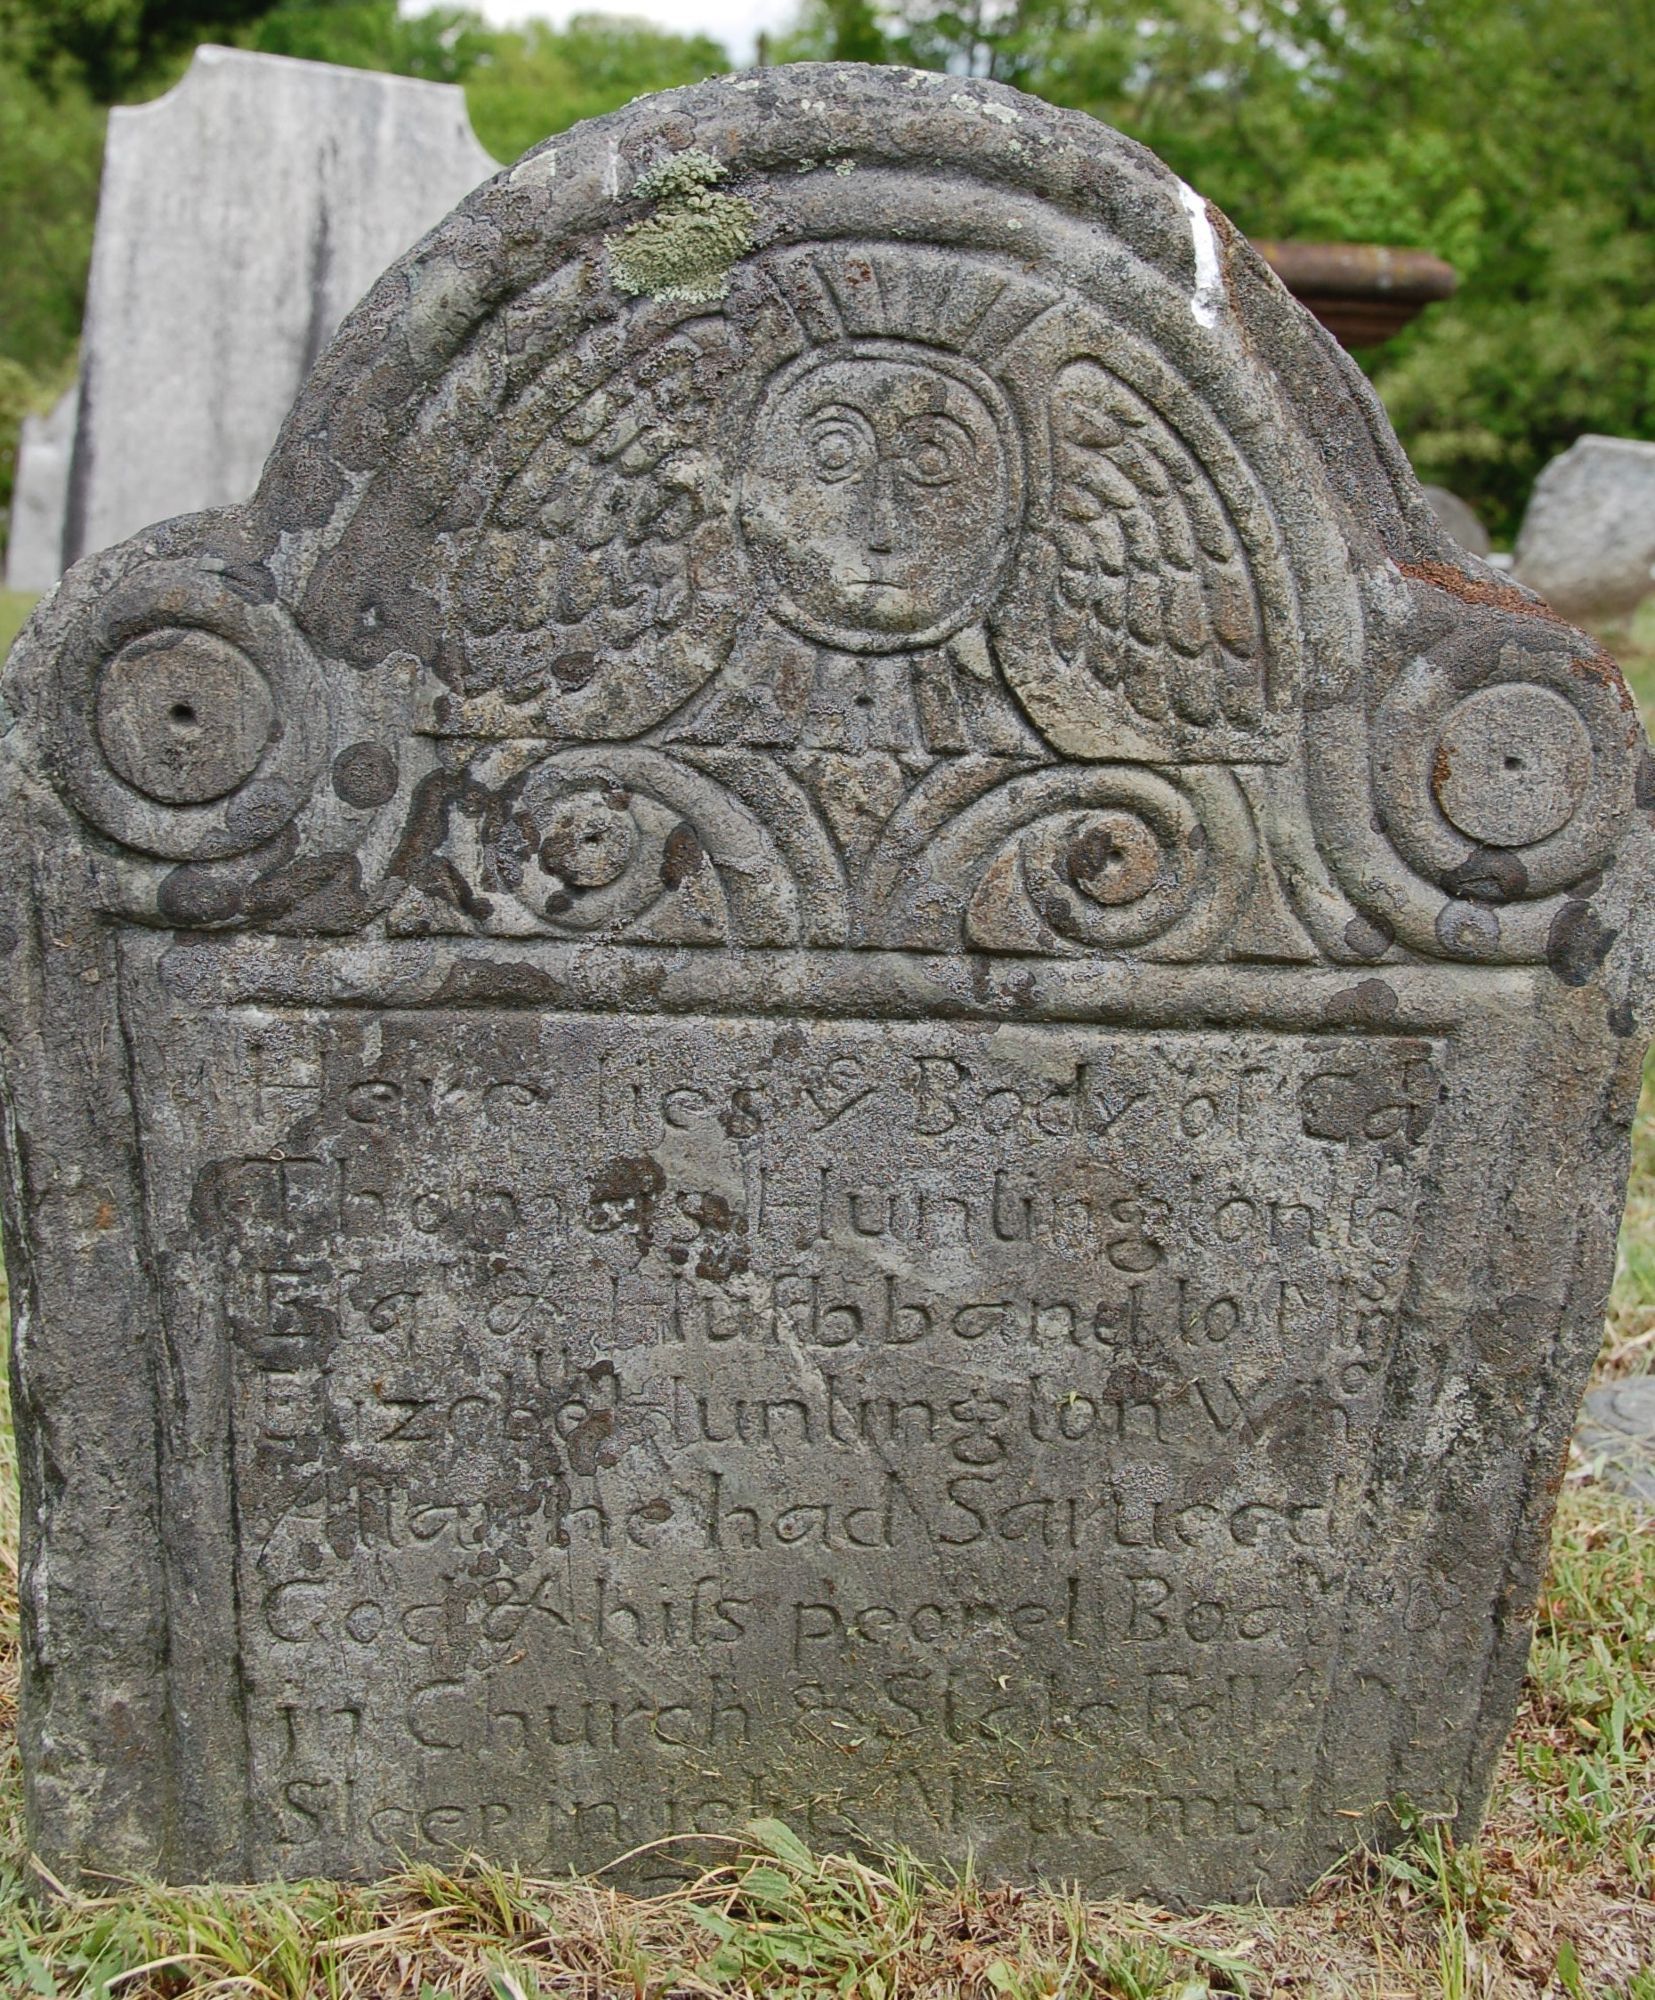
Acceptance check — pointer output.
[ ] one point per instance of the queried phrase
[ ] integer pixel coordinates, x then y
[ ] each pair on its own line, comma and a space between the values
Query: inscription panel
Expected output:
922, 1432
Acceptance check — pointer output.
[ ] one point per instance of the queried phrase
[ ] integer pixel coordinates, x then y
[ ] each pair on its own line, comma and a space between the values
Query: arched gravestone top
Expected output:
832, 1028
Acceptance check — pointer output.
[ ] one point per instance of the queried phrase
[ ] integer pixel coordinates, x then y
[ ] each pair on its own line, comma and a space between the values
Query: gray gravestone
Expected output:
240, 217
829, 1030
1587, 543
1458, 518
40, 496
1616, 1435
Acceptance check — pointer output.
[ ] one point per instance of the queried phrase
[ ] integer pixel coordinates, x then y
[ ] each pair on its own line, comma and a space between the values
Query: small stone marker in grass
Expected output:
1616, 1435
832, 1030
1587, 541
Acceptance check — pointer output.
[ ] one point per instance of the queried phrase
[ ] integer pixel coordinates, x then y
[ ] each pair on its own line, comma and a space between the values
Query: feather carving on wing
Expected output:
588, 597
1137, 626
1153, 589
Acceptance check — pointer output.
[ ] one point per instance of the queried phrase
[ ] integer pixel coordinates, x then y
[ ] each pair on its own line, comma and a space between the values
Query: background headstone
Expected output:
40, 496
1458, 518
832, 1029
1616, 1433
1587, 543
240, 217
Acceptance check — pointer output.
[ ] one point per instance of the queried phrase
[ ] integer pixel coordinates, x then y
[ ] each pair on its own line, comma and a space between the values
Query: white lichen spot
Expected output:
534, 168
749, 83
918, 76
686, 248
844, 166
1208, 295
805, 167
986, 108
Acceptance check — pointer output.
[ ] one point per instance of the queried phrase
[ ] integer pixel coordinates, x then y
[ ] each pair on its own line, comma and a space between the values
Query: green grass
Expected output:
1633, 645
1556, 1901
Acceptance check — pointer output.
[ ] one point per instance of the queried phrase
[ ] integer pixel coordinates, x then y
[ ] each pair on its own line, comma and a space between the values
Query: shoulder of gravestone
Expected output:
82, 612
166, 733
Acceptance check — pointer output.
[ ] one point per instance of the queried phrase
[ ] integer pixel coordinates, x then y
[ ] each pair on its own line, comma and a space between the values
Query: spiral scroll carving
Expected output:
193, 718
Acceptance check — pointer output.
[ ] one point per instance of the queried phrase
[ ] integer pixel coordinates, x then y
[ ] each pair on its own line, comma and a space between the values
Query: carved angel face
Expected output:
881, 495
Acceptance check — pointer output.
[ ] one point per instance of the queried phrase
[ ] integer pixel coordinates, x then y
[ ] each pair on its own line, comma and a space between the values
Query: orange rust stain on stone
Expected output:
105, 1216
1596, 665
1600, 666
1488, 590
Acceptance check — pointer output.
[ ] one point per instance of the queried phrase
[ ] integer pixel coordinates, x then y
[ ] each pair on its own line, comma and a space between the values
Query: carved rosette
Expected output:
239, 777
1500, 773
618, 843
192, 718
1116, 858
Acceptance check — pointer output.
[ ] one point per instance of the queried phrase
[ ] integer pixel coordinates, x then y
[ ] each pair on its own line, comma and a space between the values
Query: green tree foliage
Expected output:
112, 48
443, 45
540, 80
50, 145
521, 84
50, 148
841, 31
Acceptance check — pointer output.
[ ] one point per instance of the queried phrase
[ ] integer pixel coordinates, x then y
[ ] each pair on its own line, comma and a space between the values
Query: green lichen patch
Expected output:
686, 248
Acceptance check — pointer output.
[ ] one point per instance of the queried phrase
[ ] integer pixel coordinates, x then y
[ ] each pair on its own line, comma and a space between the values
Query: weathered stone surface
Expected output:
1458, 518
240, 217
40, 496
1616, 1434
855, 1043
1587, 543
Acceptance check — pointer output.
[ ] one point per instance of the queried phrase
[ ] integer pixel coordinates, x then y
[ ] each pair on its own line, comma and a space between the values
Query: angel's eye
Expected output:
933, 451
840, 445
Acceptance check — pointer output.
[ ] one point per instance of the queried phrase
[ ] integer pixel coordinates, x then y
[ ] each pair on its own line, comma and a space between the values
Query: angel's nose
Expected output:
881, 508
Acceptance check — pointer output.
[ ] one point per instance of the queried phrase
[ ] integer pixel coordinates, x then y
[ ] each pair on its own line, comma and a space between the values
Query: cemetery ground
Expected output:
1557, 1898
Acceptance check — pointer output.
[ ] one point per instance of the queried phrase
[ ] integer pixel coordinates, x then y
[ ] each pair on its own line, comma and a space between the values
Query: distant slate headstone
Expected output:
1587, 542
1616, 1435
240, 217
40, 496
830, 1030
1458, 518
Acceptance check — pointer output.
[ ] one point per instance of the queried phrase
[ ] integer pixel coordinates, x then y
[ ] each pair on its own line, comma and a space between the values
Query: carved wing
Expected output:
576, 594
1152, 591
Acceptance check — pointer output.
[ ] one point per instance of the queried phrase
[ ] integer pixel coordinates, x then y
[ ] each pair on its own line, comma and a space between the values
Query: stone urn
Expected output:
1363, 293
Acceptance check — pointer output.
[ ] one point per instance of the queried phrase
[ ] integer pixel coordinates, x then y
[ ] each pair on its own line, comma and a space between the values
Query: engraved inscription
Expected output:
858, 1421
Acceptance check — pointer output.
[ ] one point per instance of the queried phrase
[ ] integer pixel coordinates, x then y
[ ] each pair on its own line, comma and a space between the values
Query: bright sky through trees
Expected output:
735, 23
